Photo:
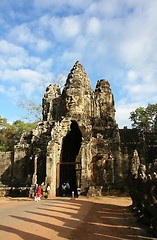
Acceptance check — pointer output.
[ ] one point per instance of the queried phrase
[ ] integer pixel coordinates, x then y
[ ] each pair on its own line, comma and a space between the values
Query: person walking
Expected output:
38, 194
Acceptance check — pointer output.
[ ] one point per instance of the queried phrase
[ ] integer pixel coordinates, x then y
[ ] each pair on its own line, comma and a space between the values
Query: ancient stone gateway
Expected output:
83, 122
78, 140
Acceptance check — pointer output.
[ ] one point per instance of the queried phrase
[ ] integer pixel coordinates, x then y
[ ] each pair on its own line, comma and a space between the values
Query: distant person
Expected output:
67, 188
48, 190
38, 194
63, 190
35, 189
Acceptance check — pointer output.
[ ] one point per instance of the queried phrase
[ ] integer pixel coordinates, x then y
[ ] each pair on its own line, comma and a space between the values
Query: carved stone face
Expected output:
73, 101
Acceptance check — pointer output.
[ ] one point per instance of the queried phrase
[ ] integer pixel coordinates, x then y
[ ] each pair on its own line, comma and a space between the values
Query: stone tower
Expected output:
78, 139
83, 121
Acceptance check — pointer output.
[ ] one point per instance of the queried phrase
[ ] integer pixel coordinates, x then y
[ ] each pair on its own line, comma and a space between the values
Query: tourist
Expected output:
35, 189
38, 194
67, 185
48, 189
63, 190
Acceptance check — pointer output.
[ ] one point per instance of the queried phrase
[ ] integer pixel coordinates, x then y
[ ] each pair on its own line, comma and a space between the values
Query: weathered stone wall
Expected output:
144, 143
6, 167
51, 103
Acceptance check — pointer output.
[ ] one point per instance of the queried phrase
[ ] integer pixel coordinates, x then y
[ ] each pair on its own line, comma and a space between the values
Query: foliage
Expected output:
145, 118
10, 133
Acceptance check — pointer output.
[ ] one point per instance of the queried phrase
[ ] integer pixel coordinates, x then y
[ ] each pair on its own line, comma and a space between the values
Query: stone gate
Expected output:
78, 140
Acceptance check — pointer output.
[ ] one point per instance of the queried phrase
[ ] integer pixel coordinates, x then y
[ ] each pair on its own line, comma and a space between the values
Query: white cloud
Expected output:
81, 43
32, 77
42, 45
20, 75
14, 57
28, 88
122, 116
55, 5
44, 66
24, 35
123, 110
141, 83
24, 83
9, 49
13, 93
10, 92
2, 89
65, 28
71, 56
132, 76
94, 26
21, 34
105, 9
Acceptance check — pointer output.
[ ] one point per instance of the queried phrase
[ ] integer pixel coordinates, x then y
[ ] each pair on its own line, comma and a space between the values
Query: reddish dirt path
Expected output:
65, 218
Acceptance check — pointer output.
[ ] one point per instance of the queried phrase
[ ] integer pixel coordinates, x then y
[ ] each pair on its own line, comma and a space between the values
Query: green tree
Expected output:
145, 118
10, 133
3, 122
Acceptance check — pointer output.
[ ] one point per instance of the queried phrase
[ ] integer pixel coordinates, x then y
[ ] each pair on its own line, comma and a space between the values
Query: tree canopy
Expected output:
145, 118
10, 133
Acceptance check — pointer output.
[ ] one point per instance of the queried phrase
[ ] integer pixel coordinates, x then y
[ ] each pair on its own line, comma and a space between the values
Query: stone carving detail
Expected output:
77, 93
135, 163
104, 102
143, 191
51, 103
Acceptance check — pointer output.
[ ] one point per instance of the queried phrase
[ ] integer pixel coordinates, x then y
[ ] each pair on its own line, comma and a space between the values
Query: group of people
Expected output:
38, 192
65, 189
44, 191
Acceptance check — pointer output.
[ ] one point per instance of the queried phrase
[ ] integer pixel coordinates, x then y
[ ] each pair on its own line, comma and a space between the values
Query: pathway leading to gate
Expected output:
65, 218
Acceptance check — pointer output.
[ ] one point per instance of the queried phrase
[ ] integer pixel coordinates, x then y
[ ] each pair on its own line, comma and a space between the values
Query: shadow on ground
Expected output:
78, 219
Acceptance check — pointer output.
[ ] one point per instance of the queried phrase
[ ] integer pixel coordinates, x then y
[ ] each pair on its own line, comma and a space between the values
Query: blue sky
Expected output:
113, 39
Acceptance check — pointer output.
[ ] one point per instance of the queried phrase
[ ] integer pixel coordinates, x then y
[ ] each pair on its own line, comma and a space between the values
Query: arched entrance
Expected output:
70, 165
41, 168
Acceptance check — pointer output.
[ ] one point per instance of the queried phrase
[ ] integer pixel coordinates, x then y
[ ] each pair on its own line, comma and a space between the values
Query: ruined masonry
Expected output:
77, 141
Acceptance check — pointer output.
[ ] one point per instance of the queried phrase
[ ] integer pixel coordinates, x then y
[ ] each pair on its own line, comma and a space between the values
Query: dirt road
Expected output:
65, 218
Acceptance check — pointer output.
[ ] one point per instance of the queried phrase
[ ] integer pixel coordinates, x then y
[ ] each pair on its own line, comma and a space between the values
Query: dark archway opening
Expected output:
70, 166
41, 168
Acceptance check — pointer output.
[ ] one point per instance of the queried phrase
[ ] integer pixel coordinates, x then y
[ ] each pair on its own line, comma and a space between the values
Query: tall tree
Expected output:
10, 133
145, 118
